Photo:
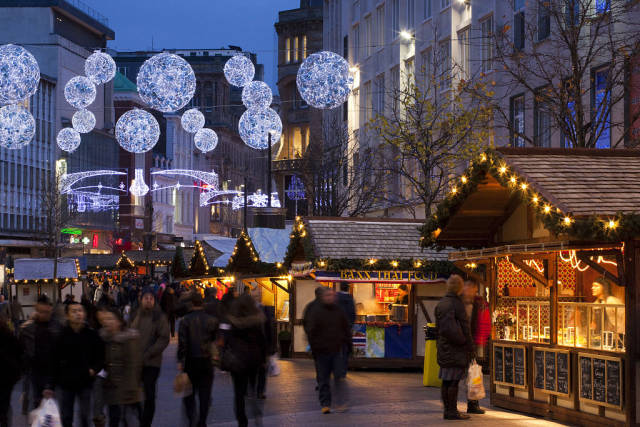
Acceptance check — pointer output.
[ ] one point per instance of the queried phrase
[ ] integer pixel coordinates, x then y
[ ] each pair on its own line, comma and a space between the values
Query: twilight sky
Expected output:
197, 24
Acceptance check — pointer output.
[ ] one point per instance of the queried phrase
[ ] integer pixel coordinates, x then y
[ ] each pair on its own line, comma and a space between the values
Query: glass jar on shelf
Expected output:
591, 325
532, 321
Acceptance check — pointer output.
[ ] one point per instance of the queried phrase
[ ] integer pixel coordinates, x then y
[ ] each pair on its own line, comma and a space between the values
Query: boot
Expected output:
452, 397
473, 407
445, 399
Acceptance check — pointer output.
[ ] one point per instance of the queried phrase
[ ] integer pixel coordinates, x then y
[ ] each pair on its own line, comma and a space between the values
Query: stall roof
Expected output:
110, 260
42, 268
270, 243
364, 238
222, 244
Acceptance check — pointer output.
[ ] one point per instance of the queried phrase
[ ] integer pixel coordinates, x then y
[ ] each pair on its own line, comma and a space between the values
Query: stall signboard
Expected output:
373, 276
551, 370
386, 292
509, 365
600, 379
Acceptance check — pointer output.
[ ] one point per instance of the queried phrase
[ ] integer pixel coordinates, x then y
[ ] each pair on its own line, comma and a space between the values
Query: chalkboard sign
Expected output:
585, 378
563, 372
549, 371
498, 369
519, 366
613, 382
508, 365
538, 369
599, 380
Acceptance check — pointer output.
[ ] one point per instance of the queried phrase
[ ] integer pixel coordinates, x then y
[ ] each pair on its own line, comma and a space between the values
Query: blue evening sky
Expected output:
197, 24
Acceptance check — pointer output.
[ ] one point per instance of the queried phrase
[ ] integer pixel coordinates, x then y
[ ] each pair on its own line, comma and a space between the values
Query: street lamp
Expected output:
406, 35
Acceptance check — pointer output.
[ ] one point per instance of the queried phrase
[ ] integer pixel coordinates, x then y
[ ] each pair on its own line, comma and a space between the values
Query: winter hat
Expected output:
147, 290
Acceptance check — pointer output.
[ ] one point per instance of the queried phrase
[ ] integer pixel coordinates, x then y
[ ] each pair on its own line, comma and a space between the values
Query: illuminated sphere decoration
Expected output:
83, 121
137, 131
257, 94
166, 82
19, 74
100, 67
192, 120
255, 125
80, 92
239, 70
68, 139
205, 139
324, 80
17, 126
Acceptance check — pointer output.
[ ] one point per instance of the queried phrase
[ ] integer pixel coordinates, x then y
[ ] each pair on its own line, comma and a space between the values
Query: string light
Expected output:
463, 179
547, 209
523, 186
324, 80
239, 70
166, 82
567, 220
137, 131
502, 170
69, 179
19, 74
100, 67
80, 92
535, 200
17, 125
139, 188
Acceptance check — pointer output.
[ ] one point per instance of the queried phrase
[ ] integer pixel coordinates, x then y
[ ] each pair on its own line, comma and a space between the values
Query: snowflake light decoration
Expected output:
100, 67
255, 200
83, 121
19, 74
166, 82
239, 70
80, 92
205, 140
257, 94
255, 125
324, 80
68, 139
137, 131
139, 188
17, 126
192, 120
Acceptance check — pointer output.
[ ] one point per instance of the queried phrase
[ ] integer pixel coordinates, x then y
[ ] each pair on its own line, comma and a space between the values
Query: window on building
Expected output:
542, 119
380, 25
304, 47
355, 10
345, 47
356, 109
395, 18
295, 49
603, 6
367, 102
368, 35
487, 44
427, 72
572, 12
601, 102
409, 73
411, 14
445, 64
394, 85
380, 93
123, 71
287, 50
518, 30
444, 3
544, 21
356, 43
517, 121
464, 46
427, 9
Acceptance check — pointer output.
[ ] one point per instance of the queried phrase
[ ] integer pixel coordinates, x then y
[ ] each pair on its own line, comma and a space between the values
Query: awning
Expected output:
42, 268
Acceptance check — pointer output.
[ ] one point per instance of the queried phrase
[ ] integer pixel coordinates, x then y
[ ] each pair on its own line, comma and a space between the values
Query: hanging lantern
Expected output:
137, 131
100, 67
80, 92
257, 94
166, 82
17, 126
255, 125
324, 80
83, 121
68, 139
19, 74
239, 70
192, 120
139, 188
205, 140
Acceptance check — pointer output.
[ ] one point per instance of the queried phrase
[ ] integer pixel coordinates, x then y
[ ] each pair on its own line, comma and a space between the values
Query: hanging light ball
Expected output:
137, 131
17, 126
80, 92
139, 188
166, 82
100, 67
206, 139
192, 120
324, 80
68, 139
257, 94
255, 125
19, 74
83, 121
239, 70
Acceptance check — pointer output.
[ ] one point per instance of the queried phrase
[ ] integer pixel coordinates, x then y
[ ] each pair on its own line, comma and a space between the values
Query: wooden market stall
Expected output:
395, 284
553, 234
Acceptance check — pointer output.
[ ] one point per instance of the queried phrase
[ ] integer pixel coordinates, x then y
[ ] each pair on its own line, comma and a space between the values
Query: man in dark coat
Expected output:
168, 302
78, 357
11, 365
454, 344
328, 333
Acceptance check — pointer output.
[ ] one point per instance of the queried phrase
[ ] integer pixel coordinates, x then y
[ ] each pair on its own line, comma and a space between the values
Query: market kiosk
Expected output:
395, 284
556, 232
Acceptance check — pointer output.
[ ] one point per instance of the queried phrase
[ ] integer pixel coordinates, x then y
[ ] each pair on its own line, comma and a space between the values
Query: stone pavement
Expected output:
376, 399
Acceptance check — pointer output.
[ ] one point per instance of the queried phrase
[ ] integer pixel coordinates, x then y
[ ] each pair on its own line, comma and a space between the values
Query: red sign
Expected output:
386, 292
94, 241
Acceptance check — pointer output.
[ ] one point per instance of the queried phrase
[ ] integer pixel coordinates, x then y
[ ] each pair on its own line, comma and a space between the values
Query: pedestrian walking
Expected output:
11, 365
17, 314
328, 333
454, 344
168, 302
78, 357
196, 336
123, 365
38, 337
247, 343
153, 328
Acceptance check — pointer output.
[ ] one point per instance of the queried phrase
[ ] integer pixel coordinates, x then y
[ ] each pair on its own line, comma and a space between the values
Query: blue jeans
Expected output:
326, 364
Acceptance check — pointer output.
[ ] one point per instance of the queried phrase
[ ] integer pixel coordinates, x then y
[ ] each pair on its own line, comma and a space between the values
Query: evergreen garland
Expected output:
198, 266
244, 258
124, 262
178, 267
299, 244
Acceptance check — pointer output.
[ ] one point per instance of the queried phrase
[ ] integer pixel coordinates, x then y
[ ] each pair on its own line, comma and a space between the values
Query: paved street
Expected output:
377, 398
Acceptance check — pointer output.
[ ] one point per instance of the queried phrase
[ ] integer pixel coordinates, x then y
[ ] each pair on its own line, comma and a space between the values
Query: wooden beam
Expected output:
600, 269
471, 273
533, 273
480, 212
511, 207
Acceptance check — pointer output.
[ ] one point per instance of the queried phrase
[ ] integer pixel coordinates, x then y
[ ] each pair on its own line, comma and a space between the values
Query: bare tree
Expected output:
574, 59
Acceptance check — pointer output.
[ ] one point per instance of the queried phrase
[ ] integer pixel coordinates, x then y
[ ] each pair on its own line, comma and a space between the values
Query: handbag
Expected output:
475, 386
229, 361
182, 385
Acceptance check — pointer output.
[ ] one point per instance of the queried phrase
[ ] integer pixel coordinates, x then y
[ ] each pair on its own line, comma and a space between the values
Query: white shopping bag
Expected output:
475, 386
274, 366
47, 414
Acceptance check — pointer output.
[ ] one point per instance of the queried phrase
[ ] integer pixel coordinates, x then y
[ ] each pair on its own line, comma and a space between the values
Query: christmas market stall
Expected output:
554, 235
206, 267
395, 284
